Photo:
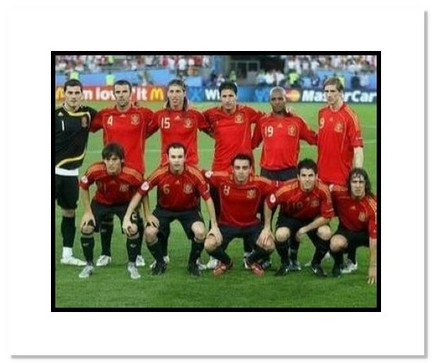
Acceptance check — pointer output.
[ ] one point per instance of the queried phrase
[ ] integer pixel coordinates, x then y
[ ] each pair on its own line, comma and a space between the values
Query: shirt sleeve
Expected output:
203, 124
97, 122
372, 225
257, 136
211, 178
306, 133
354, 130
93, 113
254, 115
153, 124
203, 188
150, 183
144, 188
274, 198
326, 207
86, 180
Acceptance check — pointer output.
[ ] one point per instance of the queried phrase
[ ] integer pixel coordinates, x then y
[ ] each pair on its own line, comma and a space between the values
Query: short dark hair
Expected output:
334, 81
73, 83
242, 157
356, 172
122, 82
307, 164
176, 145
113, 149
180, 83
228, 85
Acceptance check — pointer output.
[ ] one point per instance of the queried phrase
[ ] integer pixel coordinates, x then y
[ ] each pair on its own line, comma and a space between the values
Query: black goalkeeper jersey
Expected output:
71, 134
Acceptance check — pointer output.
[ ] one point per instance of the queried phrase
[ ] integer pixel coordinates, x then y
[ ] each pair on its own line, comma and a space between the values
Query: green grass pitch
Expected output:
110, 287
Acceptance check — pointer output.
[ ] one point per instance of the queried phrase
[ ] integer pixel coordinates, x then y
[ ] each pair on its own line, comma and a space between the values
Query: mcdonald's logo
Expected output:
156, 94
59, 94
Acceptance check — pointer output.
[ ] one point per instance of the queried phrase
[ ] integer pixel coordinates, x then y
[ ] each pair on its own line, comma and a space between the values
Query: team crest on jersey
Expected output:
321, 122
299, 205
135, 119
84, 121
239, 119
314, 203
292, 130
226, 189
188, 123
124, 187
188, 188
362, 217
338, 127
251, 194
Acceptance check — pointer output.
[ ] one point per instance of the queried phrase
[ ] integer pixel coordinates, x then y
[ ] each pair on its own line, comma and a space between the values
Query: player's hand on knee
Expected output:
88, 220
126, 225
131, 229
266, 240
216, 233
152, 221
87, 226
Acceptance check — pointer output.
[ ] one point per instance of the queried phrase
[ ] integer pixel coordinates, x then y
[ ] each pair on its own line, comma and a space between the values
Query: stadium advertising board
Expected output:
104, 93
202, 94
253, 94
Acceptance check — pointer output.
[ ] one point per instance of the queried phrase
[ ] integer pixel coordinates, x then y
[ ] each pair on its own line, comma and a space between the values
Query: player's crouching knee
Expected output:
338, 243
198, 229
282, 235
150, 234
210, 243
132, 232
324, 232
267, 245
87, 230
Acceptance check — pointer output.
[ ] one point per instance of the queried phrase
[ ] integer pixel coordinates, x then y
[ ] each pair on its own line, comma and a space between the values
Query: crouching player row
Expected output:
306, 208
179, 188
356, 208
241, 194
116, 184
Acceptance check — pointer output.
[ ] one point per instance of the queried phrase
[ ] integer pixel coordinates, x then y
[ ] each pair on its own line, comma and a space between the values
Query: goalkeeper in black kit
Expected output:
72, 123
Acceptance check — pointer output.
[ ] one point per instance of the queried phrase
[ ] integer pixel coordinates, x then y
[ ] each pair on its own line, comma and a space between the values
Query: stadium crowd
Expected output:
292, 70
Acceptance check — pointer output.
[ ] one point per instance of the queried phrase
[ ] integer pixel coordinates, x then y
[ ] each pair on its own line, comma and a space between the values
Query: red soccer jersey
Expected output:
356, 215
296, 203
232, 133
281, 140
239, 204
177, 192
112, 189
339, 133
128, 128
179, 126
